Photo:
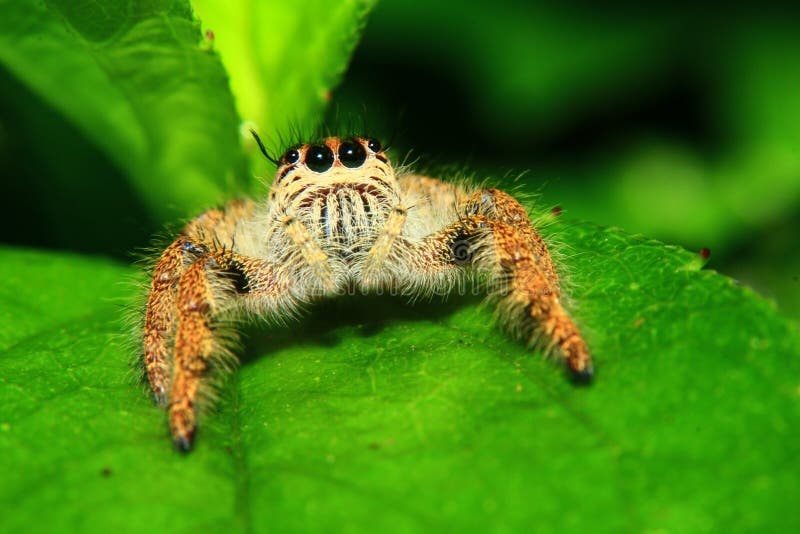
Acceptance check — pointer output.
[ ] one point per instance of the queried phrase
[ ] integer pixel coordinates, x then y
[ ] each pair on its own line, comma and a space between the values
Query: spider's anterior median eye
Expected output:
319, 158
352, 154
374, 145
290, 156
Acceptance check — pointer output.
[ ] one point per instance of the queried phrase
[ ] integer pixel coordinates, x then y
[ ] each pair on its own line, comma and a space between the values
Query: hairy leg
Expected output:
216, 288
314, 257
442, 197
528, 299
211, 229
437, 196
194, 347
500, 206
421, 195
374, 271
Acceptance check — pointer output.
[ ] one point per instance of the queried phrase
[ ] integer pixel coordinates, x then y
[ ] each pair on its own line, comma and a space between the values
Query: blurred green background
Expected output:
682, 124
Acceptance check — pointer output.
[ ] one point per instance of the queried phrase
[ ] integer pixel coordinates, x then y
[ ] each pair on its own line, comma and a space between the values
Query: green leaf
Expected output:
137, 80
373, 414
284, 59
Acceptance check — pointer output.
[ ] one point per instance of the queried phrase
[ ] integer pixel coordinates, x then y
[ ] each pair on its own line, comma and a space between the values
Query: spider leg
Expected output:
500, 206
216, 287
201, 233
424, 196
520, 280
316, 260
194, 346
159, 319
373, 271
493, 203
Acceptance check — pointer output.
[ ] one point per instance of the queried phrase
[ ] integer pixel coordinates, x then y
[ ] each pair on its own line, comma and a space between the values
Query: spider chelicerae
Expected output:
339, 217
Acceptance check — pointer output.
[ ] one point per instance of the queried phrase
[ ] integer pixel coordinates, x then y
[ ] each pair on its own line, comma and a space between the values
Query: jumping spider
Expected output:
339, 216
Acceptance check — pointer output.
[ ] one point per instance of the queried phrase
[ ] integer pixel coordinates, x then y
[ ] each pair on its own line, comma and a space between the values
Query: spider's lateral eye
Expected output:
291, 156
319, 158
374, 145
352, 154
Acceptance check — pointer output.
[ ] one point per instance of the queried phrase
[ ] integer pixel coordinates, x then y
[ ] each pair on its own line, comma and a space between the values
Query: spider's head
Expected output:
357, 163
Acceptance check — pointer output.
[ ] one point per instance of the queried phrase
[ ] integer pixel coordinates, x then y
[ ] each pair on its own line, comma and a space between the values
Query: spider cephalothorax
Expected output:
339, 216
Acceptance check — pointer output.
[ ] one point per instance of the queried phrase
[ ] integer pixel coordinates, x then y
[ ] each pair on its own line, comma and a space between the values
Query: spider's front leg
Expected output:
160, 317
521, 274
197, 281
215, 288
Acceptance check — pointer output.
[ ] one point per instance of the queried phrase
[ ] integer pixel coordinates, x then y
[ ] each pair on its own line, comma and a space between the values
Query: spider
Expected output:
339, 217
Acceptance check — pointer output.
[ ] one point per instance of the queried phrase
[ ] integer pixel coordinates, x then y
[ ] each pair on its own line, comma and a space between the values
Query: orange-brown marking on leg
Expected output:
194, 345
533, 288
159, 320
501, 206
200, 233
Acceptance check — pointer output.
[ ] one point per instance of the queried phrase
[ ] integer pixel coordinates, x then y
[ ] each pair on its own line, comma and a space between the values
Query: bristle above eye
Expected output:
262, 147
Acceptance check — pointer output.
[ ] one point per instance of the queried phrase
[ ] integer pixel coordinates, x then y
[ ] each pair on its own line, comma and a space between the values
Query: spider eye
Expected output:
374, 145
290, 156
319, 158
352, 154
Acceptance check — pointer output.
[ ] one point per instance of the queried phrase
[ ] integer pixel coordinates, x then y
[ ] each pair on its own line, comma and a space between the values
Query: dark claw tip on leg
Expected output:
184, 443
584, 376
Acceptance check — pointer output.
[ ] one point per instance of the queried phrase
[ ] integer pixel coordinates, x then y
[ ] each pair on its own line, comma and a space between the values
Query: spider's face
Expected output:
337, 187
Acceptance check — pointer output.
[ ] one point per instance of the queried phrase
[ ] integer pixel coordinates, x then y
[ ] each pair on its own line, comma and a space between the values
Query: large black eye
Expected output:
290, 156
374, 145
319, 158
352, 154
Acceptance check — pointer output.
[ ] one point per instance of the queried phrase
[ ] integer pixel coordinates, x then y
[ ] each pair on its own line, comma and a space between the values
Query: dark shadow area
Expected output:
676, 102
60, 191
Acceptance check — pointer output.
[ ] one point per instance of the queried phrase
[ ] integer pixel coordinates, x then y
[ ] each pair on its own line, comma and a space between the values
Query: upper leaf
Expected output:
284, 59
136, 81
